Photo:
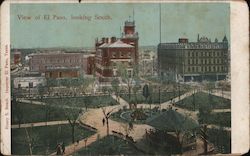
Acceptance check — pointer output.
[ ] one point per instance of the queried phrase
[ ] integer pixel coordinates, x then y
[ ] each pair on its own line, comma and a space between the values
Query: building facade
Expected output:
26, 82
194, 61
89, 64
61, 64
112, 51
62, 72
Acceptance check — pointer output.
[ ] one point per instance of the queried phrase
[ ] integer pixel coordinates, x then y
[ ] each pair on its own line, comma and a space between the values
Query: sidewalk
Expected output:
37, 124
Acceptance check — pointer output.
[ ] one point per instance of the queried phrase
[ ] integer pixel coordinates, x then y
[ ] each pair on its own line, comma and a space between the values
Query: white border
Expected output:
240, 76
5, 81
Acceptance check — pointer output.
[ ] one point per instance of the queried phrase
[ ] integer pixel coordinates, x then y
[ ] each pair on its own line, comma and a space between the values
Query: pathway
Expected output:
211, 126
43, 104
93, 117
37, 124
226, 95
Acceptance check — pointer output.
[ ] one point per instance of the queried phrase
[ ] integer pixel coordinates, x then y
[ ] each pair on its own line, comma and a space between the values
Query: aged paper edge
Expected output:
239, 31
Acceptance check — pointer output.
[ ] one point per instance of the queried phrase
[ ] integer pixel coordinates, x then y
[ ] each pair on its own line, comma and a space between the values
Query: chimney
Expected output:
103, 40
113, 39
183, 40
107, 40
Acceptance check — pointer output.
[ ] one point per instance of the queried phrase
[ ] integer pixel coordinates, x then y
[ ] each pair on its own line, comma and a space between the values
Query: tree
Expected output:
41, 92
203, 135
145, 91
18, 111
135, 89
51, 83
107, 115
32, 140
72, 115
183, 131
128, 76
104, 89
128, 127
204, 114
116, 88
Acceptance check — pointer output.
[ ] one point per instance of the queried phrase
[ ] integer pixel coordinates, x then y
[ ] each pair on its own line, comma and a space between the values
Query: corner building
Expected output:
111, 51
194, 61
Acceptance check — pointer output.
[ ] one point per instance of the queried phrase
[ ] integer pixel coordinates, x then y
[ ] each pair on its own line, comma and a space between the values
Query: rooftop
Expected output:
117, 44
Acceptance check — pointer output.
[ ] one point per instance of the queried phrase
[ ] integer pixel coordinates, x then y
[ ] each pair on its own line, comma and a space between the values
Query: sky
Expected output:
177, 20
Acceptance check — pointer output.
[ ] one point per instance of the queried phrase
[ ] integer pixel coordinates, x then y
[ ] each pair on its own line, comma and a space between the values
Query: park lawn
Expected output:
45, 138
109, 145
221, 119
36, 113
89, 101
201, 99
164, 97
221, 140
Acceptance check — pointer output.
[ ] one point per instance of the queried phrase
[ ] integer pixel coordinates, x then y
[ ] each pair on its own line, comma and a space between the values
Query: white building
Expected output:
23, 82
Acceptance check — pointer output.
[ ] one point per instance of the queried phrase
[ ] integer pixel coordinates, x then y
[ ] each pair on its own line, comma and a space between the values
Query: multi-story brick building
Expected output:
89, 64
17, 57
111, 51
59, 64
194, 61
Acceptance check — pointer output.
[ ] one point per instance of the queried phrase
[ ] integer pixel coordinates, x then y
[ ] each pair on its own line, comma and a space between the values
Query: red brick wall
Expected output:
62, 74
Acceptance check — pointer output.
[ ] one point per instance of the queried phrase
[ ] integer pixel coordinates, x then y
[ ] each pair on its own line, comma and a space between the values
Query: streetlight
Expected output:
160, 97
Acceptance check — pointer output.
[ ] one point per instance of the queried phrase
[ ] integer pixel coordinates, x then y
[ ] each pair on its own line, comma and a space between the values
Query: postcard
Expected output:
124, 77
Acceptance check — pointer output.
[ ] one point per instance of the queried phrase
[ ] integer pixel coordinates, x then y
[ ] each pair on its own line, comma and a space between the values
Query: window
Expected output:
122, 54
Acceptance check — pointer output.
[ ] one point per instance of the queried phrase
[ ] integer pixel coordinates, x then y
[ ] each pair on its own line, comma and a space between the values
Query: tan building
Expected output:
194, 61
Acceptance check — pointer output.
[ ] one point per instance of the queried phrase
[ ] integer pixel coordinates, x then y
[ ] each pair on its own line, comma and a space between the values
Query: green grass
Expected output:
36, 113
45, 138
110, 145
202, 99
221, 140
90, 101
220, 119
165, 96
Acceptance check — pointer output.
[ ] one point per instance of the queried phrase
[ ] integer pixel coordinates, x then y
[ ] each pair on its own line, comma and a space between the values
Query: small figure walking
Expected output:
63, 148
103, 121
58, 149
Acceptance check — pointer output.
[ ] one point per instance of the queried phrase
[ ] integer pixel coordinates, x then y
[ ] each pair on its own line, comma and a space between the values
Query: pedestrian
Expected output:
103, 121
58, 149
63, 148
